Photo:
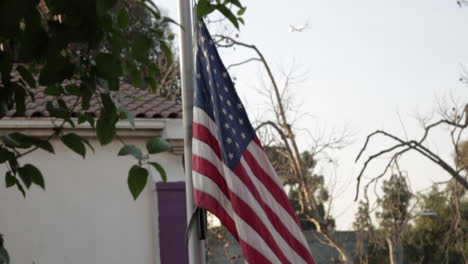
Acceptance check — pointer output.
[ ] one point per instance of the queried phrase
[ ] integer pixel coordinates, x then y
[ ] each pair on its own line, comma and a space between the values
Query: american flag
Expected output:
232, 176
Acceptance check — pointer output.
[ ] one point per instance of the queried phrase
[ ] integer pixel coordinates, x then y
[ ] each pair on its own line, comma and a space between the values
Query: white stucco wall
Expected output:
86, 214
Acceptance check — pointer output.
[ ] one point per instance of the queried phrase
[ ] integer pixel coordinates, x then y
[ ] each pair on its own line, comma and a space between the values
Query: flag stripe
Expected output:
248, 193
203, 134
202, 118
217, 209
205, 167
244, 231
276, 191
280, 219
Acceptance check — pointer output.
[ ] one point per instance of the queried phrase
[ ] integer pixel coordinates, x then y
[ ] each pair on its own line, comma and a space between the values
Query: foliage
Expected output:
98, 44
431, 239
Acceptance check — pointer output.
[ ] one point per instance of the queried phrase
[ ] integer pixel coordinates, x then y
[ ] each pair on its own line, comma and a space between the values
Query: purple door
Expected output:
172, 222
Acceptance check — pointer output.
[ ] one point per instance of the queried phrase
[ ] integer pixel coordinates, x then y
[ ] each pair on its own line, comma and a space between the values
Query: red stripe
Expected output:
276, 191
295, 244
202, 133
207, 168
243, 210
252, 255
211, 204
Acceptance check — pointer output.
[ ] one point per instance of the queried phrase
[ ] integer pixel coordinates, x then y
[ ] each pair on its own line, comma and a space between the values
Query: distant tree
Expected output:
435, 239
394, 215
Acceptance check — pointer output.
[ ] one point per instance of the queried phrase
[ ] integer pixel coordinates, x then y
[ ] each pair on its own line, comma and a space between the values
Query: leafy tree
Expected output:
394, 215
97, 43
432, 238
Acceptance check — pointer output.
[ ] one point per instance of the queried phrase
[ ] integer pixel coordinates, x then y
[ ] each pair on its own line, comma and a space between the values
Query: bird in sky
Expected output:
4, 258
294, 28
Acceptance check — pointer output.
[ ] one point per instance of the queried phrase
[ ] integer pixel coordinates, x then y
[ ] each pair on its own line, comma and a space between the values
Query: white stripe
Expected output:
246, 233
264, 162
200, 117
201, 149
285, 218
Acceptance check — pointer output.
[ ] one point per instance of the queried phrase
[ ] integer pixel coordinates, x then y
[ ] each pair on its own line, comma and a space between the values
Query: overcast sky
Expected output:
363, 64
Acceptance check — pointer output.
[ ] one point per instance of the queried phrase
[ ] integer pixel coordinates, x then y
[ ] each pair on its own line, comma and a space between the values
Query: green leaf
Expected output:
108, 66
10, 180
26, 75
25, 176
5, 155
86, 117
228, 14
204, 7
56, 70
54, 90
19, 140
160, 169
40, 143
20, 187
75, 143
30, 174
131, 150
105, 126
167, 52
241, 11
157, 145
105, 130
137, 178
141, 46
20, 98
123, 18
73, 89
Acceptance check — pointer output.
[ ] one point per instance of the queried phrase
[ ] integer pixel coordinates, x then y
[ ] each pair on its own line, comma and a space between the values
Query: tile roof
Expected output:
141, 103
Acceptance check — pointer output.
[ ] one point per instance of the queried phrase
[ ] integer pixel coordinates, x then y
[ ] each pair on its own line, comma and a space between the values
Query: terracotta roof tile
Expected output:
141, 103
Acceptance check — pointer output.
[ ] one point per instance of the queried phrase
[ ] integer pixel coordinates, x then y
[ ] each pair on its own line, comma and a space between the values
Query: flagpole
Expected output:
196, 249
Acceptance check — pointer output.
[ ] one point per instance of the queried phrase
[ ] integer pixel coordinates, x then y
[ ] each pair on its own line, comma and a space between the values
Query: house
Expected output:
86, 213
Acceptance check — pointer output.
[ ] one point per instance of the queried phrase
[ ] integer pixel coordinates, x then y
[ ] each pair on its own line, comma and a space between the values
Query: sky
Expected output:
362, 65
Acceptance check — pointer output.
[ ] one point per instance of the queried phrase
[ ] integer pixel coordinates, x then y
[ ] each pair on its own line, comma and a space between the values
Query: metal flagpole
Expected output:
196, 249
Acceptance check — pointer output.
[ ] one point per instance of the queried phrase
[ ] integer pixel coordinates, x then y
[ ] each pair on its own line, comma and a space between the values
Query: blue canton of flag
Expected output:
215, 94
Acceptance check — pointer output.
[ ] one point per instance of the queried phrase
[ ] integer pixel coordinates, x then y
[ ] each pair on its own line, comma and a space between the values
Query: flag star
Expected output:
231, 156
229, 140
224, 111
226, 125
237, 145
211, 57
239, 106
210, 83
221, 98
215, 71
203, 39
225, 89
243, 135
225, 75
241, 121
212, 98
198, 76
231, 117
228, 102
234, 131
